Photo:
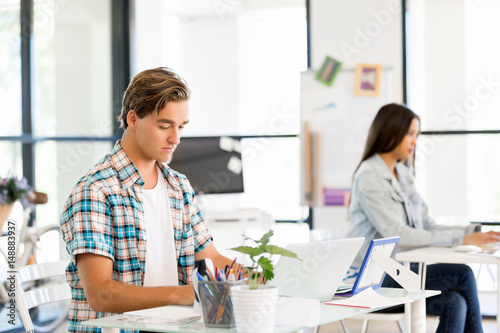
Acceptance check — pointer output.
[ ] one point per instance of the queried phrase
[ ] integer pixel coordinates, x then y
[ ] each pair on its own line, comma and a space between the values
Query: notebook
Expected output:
370, 274
319, 274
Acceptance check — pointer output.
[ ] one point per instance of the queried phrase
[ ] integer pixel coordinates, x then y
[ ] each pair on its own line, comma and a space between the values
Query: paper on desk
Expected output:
369, 298
487, 253
166, 314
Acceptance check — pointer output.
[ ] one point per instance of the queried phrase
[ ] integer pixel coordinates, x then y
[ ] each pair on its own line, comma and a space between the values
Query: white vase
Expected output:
254, 310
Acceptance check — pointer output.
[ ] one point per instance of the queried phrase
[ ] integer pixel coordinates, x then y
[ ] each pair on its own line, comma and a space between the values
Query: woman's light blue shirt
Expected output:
383, 206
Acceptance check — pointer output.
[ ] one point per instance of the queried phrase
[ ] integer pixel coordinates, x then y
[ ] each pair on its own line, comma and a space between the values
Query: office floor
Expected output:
489, 326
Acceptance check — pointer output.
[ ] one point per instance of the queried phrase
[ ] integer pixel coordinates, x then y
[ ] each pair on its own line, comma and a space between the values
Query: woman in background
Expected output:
385, 203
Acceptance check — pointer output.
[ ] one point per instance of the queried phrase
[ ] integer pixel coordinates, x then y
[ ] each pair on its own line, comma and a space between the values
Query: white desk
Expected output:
429, 255
329, 313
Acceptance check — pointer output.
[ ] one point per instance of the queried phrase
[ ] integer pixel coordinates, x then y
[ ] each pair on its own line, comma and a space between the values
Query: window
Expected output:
10, 68
71, 119
453, 84
242, 63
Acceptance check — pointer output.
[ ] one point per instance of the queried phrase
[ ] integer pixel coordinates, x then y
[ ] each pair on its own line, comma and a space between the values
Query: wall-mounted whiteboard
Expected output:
338, 121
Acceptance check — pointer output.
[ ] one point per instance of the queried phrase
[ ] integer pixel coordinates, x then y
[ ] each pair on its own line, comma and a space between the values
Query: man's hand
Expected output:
218, 259
107, 295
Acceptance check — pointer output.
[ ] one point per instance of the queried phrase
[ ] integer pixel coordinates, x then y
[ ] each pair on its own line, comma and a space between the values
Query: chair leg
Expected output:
344, 326
365, 326
401, 326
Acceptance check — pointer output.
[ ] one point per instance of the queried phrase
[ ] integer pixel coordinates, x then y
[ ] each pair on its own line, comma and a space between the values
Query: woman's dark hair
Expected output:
388, 129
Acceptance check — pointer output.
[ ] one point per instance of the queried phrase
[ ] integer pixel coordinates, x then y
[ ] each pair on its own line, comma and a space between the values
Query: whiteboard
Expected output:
342, 120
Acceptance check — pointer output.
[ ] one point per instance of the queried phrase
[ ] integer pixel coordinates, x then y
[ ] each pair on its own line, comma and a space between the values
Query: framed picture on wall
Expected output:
367, 81
326, 74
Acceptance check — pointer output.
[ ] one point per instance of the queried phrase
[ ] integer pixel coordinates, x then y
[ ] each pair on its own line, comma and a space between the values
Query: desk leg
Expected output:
110, 330
418, 319
408, 318
407, 322
416, 310
498, 297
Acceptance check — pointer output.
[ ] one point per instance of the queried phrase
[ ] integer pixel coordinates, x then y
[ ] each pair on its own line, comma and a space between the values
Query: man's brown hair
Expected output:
150, 91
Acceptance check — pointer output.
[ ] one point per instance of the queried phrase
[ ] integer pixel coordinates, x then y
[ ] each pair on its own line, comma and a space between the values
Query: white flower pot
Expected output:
254, 310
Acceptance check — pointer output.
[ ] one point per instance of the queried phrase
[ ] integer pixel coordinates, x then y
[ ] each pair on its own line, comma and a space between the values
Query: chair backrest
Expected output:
48, 290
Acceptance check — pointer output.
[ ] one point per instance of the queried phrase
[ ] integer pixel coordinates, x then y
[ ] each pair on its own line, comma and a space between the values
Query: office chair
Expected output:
49, 290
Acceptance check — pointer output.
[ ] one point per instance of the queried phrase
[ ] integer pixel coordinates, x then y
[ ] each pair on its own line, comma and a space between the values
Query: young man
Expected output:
131, 225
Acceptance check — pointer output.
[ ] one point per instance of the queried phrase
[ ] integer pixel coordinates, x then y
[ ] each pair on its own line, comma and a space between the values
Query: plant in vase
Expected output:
255, 304
262, 268
11, 190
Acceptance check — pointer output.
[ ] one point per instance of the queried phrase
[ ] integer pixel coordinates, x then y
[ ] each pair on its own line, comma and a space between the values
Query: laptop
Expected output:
322, 267
370, 274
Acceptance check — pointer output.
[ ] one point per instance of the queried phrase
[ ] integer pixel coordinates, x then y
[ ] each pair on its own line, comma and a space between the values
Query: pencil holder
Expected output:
216, 302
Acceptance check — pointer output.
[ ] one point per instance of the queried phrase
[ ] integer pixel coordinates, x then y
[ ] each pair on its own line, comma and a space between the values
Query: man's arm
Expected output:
218, 259
107, 295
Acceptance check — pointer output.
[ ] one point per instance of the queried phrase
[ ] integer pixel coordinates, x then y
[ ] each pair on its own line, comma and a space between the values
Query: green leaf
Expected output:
248, 250
265, 239
267, 268
265, 263
248, 238
273, 249
268, 275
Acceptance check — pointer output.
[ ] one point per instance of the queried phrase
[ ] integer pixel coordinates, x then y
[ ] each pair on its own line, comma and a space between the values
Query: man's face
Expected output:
158, 136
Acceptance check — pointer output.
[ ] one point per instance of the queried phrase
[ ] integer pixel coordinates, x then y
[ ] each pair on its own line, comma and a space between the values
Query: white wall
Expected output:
362, 31
453, 85
82, 52
444, 71
237, 85
242, 62
354, 32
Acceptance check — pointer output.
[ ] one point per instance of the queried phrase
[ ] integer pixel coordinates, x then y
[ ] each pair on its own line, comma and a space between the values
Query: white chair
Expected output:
50, 290
326, 234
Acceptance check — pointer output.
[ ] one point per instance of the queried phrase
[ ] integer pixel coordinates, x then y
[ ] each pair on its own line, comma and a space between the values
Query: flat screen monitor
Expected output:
212, 164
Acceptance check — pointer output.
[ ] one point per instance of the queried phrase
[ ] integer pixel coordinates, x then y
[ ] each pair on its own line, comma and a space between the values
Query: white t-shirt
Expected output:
161, 262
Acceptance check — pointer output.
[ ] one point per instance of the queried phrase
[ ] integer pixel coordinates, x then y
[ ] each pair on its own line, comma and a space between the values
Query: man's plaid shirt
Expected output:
104, 215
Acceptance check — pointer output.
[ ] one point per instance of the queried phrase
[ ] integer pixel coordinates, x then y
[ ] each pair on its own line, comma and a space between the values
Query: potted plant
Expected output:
11, 190
255, 304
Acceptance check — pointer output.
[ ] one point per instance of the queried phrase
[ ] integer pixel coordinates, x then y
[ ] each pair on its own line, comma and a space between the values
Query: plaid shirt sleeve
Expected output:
86, 223
202, 236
